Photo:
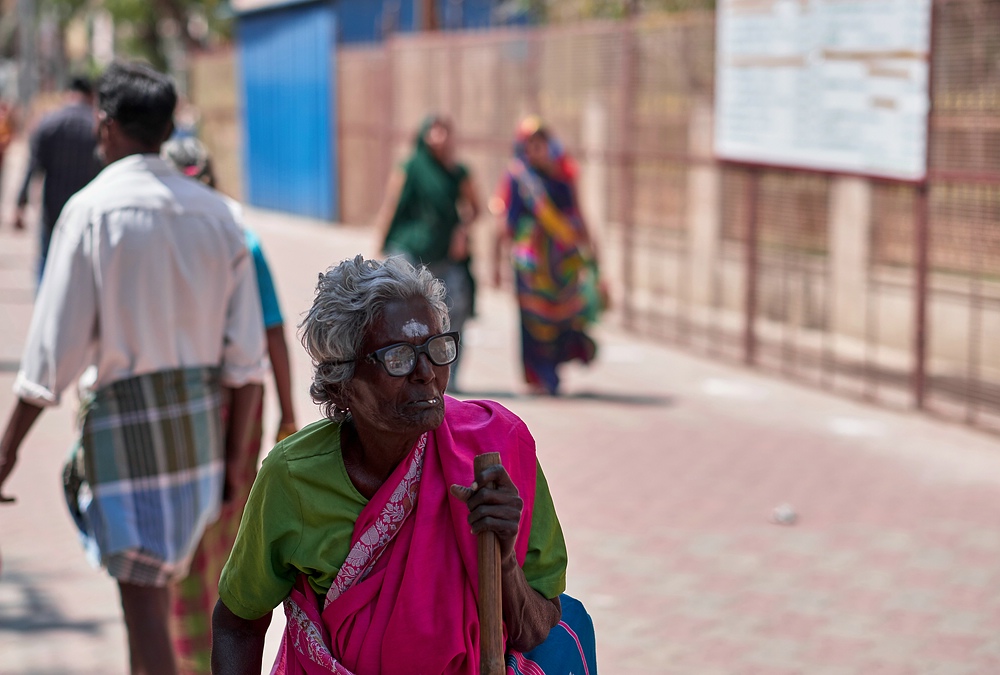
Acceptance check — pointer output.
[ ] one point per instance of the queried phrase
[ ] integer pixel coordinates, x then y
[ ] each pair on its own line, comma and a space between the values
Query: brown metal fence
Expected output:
963, 223
883, 290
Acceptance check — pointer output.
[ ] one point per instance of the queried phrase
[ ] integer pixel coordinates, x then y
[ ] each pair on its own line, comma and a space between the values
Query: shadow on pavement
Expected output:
627, 399
600, 397
9, 366
473, 395
34, 611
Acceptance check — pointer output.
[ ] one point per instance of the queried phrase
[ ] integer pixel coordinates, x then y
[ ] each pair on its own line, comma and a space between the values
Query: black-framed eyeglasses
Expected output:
399, 360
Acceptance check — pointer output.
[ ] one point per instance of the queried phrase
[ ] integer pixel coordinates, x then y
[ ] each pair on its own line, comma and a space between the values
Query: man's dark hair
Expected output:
140, 99
80, 84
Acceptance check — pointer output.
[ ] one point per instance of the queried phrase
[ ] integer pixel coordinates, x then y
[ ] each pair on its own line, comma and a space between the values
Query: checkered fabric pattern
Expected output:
146, 477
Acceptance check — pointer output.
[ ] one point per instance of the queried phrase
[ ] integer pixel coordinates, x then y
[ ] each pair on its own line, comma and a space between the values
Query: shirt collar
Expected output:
140, 162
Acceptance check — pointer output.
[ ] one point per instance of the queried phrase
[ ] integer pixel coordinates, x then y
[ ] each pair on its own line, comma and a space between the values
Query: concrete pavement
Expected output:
665, 469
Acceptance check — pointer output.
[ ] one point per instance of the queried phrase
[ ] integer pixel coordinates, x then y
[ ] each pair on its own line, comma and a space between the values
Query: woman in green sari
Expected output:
430, 205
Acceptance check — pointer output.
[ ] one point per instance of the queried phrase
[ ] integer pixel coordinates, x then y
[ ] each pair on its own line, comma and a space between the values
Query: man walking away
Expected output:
151, 293
63, 150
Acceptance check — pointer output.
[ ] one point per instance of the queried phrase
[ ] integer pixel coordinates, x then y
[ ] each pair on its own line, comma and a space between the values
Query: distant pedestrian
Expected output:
190, 156
553, 255
63, 150
6, 134
196, 594
430, 204
151, 292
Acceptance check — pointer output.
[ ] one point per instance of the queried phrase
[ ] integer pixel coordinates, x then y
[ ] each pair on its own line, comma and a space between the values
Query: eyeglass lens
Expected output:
401, 359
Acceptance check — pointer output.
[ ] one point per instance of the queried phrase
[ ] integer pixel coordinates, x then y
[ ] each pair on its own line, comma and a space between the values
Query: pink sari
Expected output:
405, 600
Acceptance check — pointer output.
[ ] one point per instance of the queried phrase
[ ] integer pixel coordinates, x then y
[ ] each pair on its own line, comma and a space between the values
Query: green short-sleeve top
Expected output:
300, 518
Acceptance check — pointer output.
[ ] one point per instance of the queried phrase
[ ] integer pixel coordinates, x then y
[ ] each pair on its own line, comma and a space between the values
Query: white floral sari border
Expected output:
370, 545
306, 637
308, 640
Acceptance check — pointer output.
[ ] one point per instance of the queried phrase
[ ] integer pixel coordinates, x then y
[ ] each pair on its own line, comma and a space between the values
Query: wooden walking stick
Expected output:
491, 660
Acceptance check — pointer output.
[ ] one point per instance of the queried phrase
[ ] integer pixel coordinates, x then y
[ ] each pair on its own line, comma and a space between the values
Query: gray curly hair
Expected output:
350, 297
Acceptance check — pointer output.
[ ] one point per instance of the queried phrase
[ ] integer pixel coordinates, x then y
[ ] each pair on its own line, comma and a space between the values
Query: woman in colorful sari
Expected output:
364, 524
552, 253
430, 205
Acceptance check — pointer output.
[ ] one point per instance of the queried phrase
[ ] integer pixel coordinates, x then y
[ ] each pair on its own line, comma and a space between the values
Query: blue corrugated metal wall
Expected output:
362, 21
288, 75
359, 21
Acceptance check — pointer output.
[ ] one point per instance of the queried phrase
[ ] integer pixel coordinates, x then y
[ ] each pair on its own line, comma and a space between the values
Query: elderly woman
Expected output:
364, 524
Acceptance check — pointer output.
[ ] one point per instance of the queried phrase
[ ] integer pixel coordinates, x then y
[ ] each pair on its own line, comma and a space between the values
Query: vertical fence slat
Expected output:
627, 174
751, 193
921, 257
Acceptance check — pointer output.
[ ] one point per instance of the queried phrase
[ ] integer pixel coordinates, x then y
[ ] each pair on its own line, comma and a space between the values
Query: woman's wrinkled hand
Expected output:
494, 507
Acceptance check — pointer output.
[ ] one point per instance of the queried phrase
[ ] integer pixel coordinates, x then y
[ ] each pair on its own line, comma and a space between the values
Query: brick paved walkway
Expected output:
665, 469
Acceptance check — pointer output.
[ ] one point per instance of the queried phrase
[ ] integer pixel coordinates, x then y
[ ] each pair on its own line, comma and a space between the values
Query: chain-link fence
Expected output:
885, 290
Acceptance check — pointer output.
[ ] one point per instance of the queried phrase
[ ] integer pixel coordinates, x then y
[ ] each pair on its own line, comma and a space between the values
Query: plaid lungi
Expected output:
146, 477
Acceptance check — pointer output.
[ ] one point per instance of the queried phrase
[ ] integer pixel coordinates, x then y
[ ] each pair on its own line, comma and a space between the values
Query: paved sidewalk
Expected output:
665, 469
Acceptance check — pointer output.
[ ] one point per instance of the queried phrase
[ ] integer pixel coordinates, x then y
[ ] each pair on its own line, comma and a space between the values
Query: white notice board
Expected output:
839, 85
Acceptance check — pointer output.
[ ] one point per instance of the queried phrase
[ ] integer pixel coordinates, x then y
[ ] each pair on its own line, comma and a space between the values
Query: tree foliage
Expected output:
153, 29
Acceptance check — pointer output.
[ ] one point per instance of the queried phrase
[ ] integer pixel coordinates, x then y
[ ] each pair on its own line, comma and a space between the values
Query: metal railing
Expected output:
880, 289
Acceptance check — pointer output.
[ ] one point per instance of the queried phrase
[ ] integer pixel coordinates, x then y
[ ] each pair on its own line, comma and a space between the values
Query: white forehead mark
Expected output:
414, 328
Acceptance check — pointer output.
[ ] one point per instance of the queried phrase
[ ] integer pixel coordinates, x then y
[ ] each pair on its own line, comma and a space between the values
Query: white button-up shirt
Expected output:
148, 271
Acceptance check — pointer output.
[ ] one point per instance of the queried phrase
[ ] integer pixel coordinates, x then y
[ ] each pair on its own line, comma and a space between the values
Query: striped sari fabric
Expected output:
569, 648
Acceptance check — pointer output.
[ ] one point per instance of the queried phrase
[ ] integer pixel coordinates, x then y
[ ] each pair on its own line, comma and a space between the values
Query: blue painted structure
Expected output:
367, 20
287, 51
289, 78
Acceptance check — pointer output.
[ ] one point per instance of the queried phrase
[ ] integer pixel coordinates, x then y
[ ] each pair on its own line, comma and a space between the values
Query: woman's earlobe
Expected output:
340, 396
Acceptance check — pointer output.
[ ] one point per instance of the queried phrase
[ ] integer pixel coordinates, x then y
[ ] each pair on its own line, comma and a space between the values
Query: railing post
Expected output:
388, 112
749, 326
626, 155
921, 237
534, 72
921, 270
